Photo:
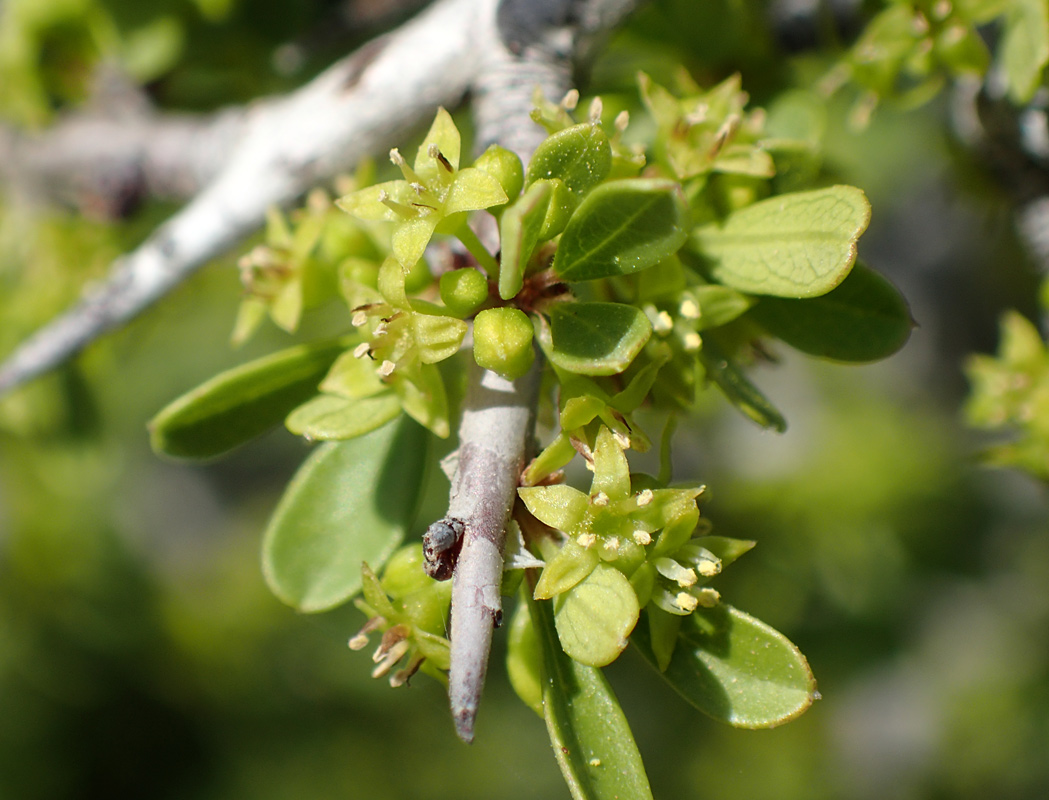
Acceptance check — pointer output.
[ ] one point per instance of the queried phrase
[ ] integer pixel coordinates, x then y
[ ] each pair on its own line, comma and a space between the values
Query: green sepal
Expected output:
725, 548
580, 156
572, 564
437, 337
559, 506
792, 245
865, 318
473, 189
595, 617
374, 594
623, 227
611, 470
349, 502
353, 378
735, 668
594, 338
242, 403
553, 457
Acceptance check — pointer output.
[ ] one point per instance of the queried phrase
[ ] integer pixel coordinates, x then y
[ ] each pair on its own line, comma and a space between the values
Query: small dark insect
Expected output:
441, 545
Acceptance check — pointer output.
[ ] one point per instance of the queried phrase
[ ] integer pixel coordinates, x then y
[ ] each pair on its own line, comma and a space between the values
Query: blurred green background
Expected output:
141, 654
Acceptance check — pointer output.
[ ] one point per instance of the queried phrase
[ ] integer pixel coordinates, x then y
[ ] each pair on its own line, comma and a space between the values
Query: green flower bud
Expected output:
463, 290
503, 341
505, 167
404, 574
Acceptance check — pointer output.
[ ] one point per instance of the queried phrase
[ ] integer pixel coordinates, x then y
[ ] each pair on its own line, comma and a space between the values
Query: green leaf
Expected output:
524, 658
518, 234
791, 245
1025, 47
863, 319
736, 668
350, 502
580, 156
594, 338
623, 227
423, 397
328, 416
595, 617
739, 390
588, 730
242, 403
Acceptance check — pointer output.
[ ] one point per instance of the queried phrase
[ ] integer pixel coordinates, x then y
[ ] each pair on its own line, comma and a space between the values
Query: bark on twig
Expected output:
494, 433
353, 110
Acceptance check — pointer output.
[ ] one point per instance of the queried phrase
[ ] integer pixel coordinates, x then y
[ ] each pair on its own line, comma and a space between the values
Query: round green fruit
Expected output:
505, 167
503, 341
463, 290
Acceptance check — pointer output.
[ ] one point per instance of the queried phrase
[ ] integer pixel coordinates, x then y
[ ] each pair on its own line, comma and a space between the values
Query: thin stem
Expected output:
466, 235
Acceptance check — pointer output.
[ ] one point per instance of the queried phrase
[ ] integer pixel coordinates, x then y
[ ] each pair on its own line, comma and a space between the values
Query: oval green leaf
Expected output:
738, 388
519, 230
791, 245
736, 668
595, 617
349, 502
623, 227
329, 417
864, 319
242, 403
594, 338
524, 659
588, 730
580, 156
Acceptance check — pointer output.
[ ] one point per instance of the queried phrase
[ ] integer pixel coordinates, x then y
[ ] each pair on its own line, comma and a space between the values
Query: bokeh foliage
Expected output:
142, 655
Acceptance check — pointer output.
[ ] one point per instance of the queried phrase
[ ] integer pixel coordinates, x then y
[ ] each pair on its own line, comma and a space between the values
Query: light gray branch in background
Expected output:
288, 145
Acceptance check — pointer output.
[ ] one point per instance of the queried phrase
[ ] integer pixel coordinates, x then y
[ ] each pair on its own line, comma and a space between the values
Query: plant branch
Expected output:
286, 146
540, 44
494, 433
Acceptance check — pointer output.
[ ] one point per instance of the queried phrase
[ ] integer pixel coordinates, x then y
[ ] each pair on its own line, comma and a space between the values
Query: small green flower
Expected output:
610, 524
710, 131
434, 195
411, 610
